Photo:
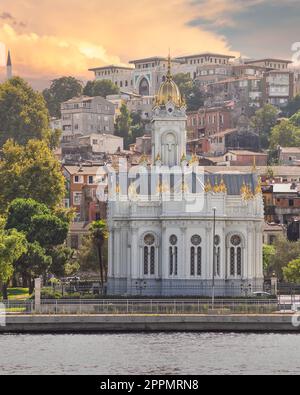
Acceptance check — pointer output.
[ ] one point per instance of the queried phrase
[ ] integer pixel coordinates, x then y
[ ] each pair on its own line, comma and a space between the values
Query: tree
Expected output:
190, 91
292, 272
12, 245
63, 262
101, 88
23, 113
293, 106
268, 257
263, 122
99, 236
295, 119
286, 251
30, 172
45, 233
61, 90
32, 264
123, 125
286, 134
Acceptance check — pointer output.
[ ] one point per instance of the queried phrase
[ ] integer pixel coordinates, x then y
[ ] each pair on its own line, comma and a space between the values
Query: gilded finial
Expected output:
254, 169
258, 189
194, 160
169, 74
183, 158
158, 158
246, 192
208, 187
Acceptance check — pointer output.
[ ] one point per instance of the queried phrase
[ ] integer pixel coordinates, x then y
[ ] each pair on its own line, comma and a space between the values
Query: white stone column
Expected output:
183, 263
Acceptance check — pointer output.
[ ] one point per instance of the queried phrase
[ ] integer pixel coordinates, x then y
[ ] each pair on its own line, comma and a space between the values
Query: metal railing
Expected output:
147, 306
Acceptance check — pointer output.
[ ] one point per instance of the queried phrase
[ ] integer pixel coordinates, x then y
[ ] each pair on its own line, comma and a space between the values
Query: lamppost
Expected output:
214, 259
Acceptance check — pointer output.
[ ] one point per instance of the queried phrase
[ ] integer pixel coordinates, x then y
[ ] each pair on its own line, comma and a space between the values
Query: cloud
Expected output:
71, 36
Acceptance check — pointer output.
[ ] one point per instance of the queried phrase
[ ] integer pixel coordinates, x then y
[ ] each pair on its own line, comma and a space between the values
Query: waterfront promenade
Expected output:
150, 323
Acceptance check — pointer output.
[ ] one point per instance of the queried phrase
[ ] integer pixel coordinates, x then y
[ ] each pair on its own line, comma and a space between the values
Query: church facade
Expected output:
185, 234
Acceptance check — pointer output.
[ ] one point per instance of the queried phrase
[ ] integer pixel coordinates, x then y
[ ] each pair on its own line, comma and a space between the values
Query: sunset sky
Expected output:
50, 38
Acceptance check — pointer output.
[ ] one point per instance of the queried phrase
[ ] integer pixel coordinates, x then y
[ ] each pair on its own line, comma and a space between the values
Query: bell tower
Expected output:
169, 134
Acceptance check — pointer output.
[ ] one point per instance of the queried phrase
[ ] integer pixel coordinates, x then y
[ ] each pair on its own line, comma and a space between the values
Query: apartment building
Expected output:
86, 115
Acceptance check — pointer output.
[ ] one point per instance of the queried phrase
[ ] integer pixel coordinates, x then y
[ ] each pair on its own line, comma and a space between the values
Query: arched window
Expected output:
235, 256
196, 256
173, 256
144, 88
149, 255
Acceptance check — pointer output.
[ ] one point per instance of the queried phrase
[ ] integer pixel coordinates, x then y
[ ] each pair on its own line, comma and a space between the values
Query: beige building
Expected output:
86, 115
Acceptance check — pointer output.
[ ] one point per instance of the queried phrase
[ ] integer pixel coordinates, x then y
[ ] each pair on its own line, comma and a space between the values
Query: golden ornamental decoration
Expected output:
163, 188
185, 188
222, 186
183, 158
208, 187
246, 192
169, 91
258, 189
144, 159
195, 160
158, 158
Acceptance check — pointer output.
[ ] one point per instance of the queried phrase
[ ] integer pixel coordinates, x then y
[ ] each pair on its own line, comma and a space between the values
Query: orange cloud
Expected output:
59, 37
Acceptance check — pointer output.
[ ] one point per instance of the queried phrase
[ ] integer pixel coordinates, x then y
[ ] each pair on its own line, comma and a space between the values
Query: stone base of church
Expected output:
183, 288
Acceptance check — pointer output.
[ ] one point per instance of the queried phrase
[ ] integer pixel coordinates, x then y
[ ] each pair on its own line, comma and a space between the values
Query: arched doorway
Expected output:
144, 89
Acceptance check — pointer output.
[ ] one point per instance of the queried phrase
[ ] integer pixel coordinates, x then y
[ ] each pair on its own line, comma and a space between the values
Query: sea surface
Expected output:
150, 354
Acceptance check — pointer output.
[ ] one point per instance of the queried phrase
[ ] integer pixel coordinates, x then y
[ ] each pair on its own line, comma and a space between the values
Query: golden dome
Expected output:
169, 91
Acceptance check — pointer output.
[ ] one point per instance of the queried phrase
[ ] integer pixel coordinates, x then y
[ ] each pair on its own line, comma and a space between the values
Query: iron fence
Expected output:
148, 306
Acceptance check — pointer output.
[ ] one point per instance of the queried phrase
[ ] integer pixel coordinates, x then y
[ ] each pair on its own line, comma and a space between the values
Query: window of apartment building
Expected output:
78, 179
76, 126
291, 203
95, 142
77, 198
91, 180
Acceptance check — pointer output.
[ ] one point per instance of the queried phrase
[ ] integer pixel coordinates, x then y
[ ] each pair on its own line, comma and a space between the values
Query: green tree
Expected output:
263, 122
61, 90
123, 125
12, 245
293, 106
268, 257
190, 91
63, 262
101, 88
286, 134
23, 113
48, 230
30, 172
93, 253
286, 251
292, 272
32, 264
45, 233
295, 119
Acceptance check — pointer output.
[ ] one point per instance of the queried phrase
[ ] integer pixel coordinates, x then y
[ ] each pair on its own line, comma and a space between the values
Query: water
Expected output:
159, 353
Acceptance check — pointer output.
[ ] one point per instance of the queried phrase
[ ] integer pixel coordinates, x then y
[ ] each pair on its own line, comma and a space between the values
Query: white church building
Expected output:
177, 235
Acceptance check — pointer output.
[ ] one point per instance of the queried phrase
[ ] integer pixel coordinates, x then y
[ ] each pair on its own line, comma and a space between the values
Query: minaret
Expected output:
9, 67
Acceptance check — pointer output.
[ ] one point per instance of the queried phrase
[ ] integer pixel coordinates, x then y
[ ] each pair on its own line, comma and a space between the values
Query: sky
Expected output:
51, 38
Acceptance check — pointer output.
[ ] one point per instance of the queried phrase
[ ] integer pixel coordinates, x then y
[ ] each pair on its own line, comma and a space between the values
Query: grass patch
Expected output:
18, 293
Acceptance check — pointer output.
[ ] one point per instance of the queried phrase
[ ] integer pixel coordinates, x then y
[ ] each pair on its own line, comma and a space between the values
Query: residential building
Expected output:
79, 179
279, 87
86, 115
120, 76
270, 63
246, 158
273, 231
289, 156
